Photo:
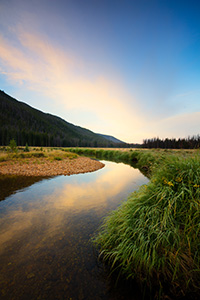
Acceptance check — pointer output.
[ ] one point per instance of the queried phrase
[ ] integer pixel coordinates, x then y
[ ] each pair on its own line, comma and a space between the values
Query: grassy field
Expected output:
154, 236
23, 154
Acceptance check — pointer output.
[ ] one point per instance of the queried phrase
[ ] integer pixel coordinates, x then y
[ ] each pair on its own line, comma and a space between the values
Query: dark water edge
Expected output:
9, 184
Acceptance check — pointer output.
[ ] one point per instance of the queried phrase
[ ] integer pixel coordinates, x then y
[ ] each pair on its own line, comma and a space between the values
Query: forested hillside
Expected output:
111, 138
28, 125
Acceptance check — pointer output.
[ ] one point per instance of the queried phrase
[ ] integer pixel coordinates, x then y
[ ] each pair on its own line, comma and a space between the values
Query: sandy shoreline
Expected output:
43, 167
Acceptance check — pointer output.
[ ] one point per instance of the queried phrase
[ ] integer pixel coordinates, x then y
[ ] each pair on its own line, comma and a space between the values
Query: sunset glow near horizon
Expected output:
130, 69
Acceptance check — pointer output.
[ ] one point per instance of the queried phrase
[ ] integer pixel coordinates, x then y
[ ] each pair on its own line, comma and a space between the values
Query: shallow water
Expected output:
45, 235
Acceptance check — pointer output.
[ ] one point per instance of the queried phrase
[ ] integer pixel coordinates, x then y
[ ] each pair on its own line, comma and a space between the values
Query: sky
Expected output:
130, 69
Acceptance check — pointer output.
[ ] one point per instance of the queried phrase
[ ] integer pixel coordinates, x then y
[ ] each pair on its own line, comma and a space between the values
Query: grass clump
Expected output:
154, 236
57, 158
3, 157
28, 155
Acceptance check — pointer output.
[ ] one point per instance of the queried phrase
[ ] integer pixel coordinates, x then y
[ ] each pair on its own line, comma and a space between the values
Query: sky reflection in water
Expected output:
45, 232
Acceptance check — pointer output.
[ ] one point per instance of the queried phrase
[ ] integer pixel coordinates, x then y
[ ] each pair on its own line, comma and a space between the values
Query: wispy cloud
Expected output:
39, 65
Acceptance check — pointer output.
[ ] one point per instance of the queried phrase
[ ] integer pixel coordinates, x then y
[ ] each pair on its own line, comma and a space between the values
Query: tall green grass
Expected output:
154, 237
142, 159
126, 156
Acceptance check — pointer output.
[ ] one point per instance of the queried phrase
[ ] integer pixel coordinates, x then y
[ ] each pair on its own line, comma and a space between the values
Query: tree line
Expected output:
44, 139
180, 143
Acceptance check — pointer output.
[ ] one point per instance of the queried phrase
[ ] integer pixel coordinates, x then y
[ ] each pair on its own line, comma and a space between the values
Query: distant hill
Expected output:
28, 125
111, 139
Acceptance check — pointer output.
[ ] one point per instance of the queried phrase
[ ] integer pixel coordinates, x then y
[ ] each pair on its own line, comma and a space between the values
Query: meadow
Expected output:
154, 236
23, 154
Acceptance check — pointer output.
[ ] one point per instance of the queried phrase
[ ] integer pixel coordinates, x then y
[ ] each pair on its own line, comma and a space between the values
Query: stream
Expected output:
46, 228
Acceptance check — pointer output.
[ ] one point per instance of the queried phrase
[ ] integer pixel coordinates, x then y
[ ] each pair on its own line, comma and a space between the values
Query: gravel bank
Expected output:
43, 167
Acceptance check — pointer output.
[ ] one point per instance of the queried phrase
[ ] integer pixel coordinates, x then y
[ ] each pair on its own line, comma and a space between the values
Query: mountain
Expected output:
28, 125
111, 139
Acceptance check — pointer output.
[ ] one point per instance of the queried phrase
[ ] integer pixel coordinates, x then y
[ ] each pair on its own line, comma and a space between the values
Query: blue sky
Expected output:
130, 69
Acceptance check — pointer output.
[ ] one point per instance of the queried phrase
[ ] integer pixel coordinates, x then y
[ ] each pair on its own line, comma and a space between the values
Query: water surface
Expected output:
45, 235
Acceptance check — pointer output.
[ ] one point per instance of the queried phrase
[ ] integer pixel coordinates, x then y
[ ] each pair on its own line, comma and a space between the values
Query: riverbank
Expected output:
154, 236
144, 159
46, 163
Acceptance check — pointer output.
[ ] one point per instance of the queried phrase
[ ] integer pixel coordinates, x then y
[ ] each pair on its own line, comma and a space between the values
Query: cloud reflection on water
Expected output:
63, 197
